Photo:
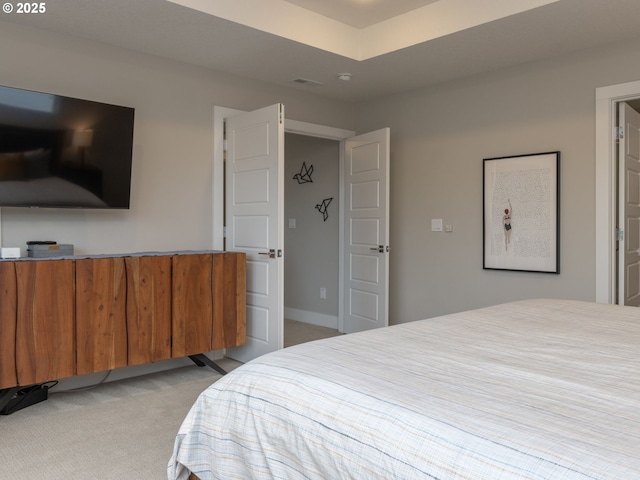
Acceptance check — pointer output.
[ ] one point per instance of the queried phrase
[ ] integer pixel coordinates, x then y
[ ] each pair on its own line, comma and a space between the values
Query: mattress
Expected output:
535, 389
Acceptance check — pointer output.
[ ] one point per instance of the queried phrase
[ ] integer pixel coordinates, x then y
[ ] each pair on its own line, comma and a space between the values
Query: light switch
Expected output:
292, 223
436, 224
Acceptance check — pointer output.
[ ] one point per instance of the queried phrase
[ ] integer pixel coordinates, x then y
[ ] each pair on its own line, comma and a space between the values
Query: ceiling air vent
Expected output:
306, 81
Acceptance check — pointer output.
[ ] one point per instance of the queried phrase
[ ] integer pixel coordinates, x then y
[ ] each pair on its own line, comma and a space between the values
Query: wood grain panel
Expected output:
8, 319
229, 290
101, 322
45, 327
148, 308
192, 304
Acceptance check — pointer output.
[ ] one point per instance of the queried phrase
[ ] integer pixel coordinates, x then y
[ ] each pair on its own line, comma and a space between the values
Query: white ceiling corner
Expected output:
306, 21
361, 13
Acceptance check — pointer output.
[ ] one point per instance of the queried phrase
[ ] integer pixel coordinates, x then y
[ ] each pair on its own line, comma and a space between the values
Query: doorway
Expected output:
337, 135
249, 173
311, 237
628, 195
606, 206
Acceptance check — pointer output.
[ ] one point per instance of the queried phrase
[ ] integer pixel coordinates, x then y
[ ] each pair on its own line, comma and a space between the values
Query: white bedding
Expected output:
538, 389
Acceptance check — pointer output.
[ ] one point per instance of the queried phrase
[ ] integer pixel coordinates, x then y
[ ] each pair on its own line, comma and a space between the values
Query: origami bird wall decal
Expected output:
305, 174
322, 208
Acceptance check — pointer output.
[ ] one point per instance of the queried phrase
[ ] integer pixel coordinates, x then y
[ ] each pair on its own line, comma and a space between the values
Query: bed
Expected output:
534, 389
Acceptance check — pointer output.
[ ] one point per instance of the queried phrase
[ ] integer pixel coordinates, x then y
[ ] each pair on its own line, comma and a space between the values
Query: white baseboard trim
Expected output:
313, 318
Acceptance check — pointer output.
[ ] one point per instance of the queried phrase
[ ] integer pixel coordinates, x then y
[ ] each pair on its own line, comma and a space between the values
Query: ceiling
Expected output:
388, 46
361, 13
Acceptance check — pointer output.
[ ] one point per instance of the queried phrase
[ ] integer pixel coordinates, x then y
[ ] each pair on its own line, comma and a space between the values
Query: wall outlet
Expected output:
323, 293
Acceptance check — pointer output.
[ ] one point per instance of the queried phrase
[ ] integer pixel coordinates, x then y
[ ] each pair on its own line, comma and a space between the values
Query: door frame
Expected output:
607, 99
290, 126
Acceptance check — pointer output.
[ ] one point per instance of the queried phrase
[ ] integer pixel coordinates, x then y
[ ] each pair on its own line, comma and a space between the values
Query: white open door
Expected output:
254, 198
366, 232
629, 206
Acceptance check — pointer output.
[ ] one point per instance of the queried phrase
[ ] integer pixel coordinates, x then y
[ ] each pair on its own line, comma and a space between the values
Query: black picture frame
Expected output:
521, 213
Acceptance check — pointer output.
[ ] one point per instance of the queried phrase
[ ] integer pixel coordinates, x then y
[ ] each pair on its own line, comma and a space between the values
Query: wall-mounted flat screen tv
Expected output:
63, 152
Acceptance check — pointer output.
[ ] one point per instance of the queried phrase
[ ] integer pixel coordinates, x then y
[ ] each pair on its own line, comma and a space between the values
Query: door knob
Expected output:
271, 253
379, 249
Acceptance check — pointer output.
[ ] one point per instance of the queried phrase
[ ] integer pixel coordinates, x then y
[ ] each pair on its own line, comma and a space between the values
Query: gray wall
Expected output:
171, 204
311, 249
439, 137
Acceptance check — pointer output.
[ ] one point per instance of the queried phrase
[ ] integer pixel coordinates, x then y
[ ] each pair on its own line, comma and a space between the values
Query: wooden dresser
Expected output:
79, 315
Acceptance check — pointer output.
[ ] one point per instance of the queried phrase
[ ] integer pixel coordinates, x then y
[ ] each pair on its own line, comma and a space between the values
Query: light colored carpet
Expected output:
299, 332
118, 430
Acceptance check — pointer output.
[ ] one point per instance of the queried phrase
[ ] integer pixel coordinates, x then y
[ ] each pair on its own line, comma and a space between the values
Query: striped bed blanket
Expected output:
535, 389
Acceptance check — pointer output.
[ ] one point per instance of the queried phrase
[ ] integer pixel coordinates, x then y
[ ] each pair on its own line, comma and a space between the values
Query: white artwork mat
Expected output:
521, 214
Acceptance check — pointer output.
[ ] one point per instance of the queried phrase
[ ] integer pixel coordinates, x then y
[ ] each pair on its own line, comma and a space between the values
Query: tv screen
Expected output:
64, 152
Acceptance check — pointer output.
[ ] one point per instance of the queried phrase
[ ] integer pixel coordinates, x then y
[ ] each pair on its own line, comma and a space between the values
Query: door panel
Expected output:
251, 187
366, 227
365, 195
629, 207
254, 217
251, 231
365, 268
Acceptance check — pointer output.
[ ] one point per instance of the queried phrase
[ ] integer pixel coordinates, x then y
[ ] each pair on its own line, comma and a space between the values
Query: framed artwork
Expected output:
521, 216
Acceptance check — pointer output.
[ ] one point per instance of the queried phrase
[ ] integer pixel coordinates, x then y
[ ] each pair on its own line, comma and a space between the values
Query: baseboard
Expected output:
313, 318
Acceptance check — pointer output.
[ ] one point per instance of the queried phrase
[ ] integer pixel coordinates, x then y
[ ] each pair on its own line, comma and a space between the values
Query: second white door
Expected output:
366, 232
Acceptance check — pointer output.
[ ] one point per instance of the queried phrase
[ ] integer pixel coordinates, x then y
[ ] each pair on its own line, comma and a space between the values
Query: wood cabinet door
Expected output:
192, 304
45, 334
148, 309
229, 292
8, 319
101, 321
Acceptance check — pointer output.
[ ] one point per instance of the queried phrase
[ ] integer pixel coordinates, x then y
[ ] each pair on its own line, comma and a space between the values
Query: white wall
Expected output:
171, 203
439, 137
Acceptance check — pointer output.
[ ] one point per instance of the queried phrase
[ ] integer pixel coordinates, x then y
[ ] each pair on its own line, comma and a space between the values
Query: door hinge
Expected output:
619, 133
281, 114
224, 232
225, 144
619, 234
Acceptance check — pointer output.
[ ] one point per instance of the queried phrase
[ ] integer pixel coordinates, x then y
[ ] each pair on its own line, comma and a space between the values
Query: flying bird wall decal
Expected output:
305, 174
322, 208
